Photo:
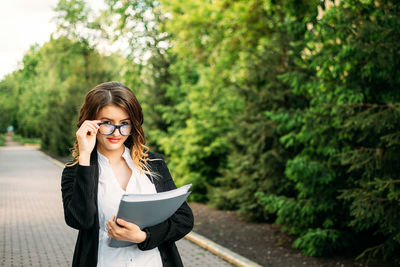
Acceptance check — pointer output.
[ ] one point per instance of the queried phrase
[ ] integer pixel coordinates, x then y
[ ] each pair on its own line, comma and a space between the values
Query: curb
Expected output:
56, 162
220, 251
199, 240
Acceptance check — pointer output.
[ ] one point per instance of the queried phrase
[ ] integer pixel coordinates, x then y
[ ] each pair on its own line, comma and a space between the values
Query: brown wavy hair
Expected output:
115, 93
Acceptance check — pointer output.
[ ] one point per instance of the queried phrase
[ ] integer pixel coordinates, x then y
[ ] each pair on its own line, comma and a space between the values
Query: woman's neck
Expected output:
113, 156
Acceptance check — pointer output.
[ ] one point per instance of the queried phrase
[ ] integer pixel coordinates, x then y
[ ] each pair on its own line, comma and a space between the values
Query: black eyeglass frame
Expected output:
115, 127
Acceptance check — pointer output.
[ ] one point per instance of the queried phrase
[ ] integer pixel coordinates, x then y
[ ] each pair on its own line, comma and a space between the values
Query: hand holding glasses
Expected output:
86, 136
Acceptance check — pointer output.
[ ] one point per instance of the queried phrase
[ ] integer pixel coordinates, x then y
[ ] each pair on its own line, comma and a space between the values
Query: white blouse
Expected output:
109, 196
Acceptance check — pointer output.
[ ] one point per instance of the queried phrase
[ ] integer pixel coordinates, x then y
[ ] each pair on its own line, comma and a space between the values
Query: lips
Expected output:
114, 140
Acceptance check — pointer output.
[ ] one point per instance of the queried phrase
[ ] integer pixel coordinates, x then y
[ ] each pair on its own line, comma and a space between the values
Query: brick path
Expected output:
32, 227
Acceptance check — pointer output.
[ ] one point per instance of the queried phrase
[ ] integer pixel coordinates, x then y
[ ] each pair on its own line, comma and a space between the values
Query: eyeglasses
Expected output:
107, 128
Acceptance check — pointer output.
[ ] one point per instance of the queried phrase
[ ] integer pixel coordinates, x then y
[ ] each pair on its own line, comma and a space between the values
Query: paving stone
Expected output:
32, 227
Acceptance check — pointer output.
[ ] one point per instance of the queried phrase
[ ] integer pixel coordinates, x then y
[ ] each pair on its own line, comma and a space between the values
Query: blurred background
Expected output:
285, 111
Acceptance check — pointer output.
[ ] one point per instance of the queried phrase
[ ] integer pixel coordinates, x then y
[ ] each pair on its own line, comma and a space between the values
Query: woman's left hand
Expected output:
125, 231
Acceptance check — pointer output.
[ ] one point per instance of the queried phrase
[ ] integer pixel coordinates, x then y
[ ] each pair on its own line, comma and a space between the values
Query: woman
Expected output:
111, 159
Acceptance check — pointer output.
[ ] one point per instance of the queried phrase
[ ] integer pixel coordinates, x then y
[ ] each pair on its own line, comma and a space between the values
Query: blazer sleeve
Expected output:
172, 229
78, 194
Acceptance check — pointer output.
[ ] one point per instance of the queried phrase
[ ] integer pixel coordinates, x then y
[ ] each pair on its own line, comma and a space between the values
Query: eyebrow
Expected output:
105, 118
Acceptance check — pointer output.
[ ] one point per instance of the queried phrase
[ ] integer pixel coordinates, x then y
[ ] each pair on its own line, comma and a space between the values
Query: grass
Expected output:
25, 140
2, 139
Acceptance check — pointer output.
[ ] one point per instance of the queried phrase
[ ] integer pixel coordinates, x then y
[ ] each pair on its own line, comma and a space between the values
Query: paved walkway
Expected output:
32, 227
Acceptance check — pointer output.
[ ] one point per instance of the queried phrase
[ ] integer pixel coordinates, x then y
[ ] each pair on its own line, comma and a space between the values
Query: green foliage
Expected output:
263, 45
71, 13
345, 173
284, 111
147, 72
75, 69
8, 108
24, 140
44, 96
72, 18
2, 137
319, 238
205, 98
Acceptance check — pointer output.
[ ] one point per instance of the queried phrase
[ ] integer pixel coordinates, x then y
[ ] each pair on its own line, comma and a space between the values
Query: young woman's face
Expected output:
112, 114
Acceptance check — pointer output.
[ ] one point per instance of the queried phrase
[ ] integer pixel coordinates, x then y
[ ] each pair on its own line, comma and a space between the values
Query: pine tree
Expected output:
257, 161
345, 173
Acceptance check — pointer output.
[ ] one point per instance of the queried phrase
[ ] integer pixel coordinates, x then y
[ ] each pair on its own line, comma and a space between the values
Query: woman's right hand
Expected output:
86, 136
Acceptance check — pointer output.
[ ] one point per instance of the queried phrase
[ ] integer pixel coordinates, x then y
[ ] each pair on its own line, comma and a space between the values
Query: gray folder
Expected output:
149, 209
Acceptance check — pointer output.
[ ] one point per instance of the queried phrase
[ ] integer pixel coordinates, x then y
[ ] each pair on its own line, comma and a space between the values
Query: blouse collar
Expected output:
126, 155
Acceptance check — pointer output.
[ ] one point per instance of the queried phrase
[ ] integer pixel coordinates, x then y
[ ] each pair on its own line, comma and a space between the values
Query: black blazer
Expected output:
79, 186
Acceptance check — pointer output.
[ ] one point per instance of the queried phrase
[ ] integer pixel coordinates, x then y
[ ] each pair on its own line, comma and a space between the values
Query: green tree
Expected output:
205, 97
50, 87
71, 68
8, 107
268, 40
347, 192
140, 25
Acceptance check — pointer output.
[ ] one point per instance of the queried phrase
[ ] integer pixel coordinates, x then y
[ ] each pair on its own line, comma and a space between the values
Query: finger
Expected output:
110, 234
94, 123
91, 126
122, 222
117, 231
91, 131
113, 225
85, 128
91, 121
127, 225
